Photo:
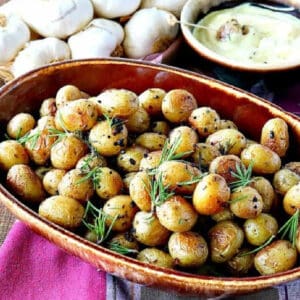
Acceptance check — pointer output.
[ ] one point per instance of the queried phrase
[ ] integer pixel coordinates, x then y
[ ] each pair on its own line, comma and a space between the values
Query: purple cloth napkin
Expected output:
33, 268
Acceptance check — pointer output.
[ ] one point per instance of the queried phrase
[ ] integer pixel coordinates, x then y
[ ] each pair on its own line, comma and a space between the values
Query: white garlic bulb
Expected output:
115, 8
56, 18
173, 6
99, 39
149, 30
14, 34
39, 53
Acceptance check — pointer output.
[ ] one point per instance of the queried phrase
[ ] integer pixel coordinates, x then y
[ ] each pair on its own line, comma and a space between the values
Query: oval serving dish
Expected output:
26, 93
194, 10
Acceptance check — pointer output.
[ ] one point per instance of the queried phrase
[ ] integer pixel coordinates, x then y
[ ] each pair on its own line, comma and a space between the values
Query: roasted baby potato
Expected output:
52, 179
151, 141
62, 210
19, 125
129, 159
151, 100
139, 121
188, 249
24, 182
156, 257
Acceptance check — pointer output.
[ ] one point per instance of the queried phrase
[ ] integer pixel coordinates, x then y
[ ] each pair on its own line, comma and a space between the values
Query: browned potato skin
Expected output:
177, 105
52, 179
130, 158
19, 125
91, 161
224, 215
151, 100
150, 160
266, 190
40, 151
67, 93
72, 185
205, 120
188, 249
12, 153
148, 230
120, 103
66, 152
291, 200
246, 202
110, 183
127, 178
139, 121
175, 172
48, 107
161, 127
126, 240
265, 161
258, 230
156, 257
224, 166
275, 135
241, 264
108, 140
228, 141
177, 214
78, 115
284, 179
226, 238
151, 140
204, 154
188, 139
123, 207
211, 195
226, 124
293, 166
277, 257
63, 211
139, 191
24, 182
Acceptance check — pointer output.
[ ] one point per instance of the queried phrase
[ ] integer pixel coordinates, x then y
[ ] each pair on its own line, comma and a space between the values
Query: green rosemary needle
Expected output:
242, 175
289, 228
31, 138
115, 246
98, 226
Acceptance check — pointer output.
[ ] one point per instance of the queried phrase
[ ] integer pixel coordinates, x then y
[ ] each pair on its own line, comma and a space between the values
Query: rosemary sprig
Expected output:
169, 151
158, 192
93, 174
117, 247
31, 138
98, 226
290, 227
194, 179
243, 176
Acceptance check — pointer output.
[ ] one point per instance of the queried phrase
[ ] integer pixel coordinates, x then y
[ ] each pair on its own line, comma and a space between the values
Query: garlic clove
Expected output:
100, 39
14, 34
172, 6
39, 53
56, 18
149, 30
115, 8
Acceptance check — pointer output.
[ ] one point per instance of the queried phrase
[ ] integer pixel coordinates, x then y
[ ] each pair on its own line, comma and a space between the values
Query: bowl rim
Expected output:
163, 278
209, 54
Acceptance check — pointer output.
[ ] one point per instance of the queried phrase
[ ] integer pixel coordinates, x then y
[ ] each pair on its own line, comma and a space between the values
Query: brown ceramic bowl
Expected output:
190, 14
247, 111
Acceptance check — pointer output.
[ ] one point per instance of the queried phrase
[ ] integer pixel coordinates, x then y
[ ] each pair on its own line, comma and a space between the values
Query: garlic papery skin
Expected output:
39, 53
11, 7
172, 6
14, 34
149, 30
115, 8
57, 18
99, 39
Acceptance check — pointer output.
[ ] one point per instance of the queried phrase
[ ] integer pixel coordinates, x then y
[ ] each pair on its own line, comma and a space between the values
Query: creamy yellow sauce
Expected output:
250, 34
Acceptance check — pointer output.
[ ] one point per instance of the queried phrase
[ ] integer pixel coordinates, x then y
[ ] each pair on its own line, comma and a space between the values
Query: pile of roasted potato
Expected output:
158, 178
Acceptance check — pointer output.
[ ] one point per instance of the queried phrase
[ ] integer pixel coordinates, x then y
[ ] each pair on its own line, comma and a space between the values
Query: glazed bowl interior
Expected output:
26, 93
194, 9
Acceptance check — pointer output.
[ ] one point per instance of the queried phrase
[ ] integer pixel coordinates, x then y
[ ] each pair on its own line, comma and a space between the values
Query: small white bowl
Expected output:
190, 14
